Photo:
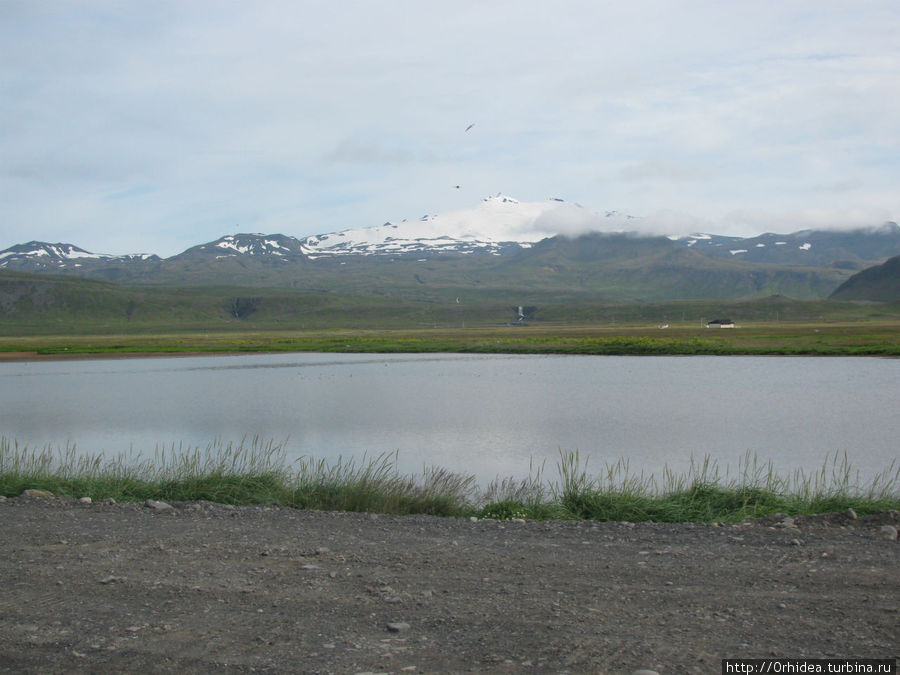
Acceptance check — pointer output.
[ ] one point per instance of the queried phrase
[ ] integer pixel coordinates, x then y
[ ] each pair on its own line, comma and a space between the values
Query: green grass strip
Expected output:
257, 473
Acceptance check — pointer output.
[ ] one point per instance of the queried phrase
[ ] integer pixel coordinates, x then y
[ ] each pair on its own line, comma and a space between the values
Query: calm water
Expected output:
482, 415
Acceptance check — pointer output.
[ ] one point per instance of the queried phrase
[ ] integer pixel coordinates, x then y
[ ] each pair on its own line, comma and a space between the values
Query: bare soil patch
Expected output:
104, 588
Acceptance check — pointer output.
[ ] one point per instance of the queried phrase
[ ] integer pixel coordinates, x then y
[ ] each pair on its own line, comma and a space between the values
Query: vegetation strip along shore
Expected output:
760, 339
259, 474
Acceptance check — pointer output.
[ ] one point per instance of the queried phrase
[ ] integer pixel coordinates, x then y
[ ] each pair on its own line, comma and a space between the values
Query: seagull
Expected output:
470, 126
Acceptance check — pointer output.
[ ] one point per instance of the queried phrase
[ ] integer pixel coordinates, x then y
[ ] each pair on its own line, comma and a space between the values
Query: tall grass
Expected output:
705, 494
376, 485
256, 472
227, 473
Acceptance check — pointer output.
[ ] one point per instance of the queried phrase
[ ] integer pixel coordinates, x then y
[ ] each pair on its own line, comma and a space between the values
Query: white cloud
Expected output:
311, 117
759, 220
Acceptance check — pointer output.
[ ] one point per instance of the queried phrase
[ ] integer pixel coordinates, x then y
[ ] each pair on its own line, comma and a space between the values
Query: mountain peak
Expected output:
278, 246
498, 221
501, 198
44, 256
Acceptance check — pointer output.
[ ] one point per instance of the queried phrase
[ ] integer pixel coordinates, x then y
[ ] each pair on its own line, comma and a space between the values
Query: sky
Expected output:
149, 127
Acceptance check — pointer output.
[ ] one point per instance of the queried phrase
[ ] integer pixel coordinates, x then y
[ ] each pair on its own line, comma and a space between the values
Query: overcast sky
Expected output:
152, 126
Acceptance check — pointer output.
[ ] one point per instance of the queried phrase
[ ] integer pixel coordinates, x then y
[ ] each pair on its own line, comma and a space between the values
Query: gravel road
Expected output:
199, 587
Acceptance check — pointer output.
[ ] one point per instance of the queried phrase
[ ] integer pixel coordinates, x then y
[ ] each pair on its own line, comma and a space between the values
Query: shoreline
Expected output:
33, 356
39, 357
784, 339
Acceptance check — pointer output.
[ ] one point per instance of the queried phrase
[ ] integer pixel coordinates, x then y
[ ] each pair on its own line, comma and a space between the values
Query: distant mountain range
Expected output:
847, 249
502, 245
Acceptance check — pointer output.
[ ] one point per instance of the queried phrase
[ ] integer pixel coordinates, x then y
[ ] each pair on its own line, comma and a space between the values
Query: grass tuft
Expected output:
255, 472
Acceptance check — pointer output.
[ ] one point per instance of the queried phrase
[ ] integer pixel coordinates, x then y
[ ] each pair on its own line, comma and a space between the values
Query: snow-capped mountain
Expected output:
490, 226
43, 256
277, 247
497, 226
841, 248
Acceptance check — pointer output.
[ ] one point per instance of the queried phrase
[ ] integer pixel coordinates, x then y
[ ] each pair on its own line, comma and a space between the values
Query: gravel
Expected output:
197, 587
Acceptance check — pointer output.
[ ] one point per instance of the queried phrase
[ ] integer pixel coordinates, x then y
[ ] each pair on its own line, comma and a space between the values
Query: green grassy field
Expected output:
861, 338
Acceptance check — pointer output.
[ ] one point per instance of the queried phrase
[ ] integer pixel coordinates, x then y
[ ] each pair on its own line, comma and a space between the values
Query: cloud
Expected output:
370, 152
292, 115
664, 170
677, 223
759, 220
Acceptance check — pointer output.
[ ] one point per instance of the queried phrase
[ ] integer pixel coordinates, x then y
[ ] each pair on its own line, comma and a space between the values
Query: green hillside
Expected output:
880, 283
45, 304
614, 268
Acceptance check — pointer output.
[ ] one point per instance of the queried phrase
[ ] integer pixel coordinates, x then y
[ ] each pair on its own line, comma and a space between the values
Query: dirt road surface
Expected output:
197, 588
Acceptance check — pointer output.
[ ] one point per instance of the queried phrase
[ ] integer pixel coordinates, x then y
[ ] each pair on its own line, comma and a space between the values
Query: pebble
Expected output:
37, 493
852, 514
889, 532
398, 627
84, 500
158, 506
644, 671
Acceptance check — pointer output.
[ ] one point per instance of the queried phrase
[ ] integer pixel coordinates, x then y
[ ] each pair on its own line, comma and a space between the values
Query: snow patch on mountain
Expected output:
495, 222
262, 245
60, 255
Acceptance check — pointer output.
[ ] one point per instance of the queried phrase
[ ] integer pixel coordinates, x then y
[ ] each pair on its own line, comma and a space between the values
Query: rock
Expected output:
2, 498
788, 523
888, 532
158, 506
37, 493
852, 514
398, 627
108, 500
644, 671
84, 500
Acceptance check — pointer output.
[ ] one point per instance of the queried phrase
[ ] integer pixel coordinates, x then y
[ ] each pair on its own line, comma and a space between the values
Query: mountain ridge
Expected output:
498, 245
498, 224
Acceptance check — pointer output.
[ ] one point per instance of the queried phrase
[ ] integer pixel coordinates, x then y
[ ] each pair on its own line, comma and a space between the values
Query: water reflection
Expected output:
482, 415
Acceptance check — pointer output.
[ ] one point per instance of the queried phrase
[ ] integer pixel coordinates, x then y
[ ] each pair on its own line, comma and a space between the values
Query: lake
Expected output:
485, 415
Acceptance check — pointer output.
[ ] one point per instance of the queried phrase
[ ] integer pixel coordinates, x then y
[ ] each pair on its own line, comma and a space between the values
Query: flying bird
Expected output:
456, 186
470, 126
